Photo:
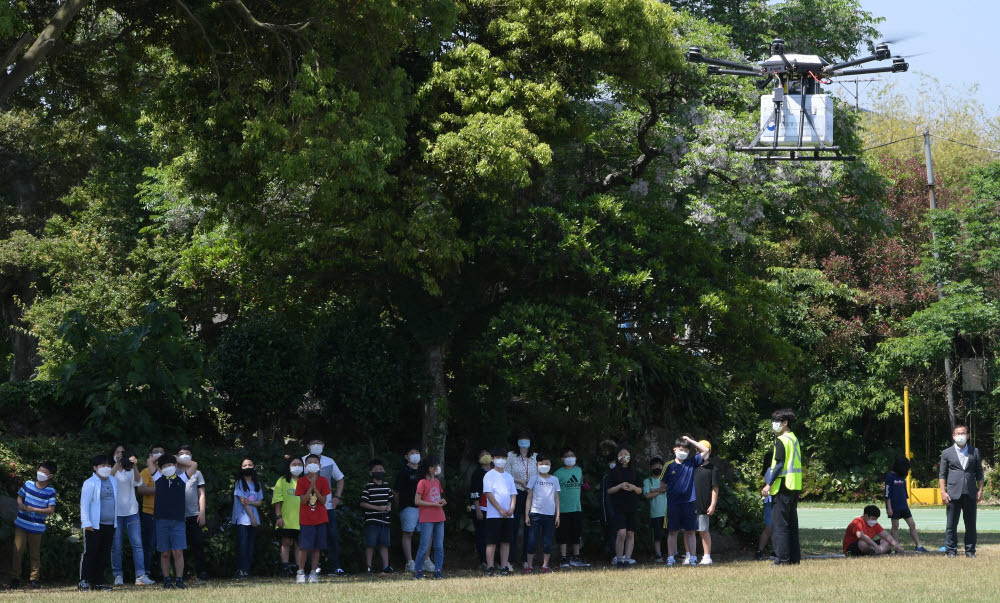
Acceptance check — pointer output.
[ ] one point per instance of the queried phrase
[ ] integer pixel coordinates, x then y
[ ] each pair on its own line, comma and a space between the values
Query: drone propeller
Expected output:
901, 37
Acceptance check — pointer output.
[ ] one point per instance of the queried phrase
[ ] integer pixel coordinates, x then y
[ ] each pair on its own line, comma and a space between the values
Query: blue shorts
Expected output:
312, 537
376, 535
681, 516
170, 535
767, 514
408, 519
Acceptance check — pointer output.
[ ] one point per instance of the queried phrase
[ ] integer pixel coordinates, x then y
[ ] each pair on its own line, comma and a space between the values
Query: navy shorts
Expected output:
499, 529
171, 535
656, 523
682, 516
627, 521
767, 513
376, 535
312, 537
901, 513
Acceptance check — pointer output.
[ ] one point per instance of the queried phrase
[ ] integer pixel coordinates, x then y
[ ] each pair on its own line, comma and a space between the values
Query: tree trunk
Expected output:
14, 294
435, 424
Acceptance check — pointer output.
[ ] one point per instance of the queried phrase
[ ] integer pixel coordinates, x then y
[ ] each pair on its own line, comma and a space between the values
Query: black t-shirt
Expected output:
624, 501
406, 486
705, 476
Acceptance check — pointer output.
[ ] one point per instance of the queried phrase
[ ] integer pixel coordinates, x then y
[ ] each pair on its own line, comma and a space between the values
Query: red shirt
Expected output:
317, 515
859, 524
430, 491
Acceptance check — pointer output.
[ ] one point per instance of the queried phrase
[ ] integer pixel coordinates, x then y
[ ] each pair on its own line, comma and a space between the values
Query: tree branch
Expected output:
640, 163
294, 28
15, 50
35, 57
211, 48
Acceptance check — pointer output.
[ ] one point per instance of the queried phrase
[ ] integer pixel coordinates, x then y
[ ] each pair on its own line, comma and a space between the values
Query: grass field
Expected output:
897, 578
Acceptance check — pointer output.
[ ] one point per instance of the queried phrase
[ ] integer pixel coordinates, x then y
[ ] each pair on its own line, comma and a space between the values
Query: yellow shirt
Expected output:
148, 499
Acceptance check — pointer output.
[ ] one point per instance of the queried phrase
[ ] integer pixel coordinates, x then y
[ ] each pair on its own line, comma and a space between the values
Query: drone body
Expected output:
796, 100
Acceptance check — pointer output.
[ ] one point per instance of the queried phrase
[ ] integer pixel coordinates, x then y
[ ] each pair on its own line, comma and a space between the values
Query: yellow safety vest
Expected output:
790, 475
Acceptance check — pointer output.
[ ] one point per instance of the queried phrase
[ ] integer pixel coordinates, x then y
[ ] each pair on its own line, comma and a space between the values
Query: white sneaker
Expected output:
706, 560
119, 581
143, 580
300, 577
428, 564
671, 562
410, 565
614, 560
313, 577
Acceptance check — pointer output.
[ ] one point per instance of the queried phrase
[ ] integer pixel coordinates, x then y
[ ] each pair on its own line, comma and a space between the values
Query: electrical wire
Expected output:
885, 144
965, 144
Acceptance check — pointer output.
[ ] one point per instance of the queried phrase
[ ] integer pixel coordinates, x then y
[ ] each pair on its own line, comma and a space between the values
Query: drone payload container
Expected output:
819, 107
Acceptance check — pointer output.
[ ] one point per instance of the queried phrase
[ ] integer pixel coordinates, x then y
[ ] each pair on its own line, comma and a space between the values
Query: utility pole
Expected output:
933, 203
857, 88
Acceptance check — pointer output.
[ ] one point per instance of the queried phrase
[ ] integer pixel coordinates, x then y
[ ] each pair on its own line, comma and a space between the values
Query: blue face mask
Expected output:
524, 443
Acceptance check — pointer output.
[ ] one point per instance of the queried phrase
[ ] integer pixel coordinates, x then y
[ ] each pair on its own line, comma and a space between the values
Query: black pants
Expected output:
965, 506
195, 549
480, 527
519, 544
96, 552
785, 527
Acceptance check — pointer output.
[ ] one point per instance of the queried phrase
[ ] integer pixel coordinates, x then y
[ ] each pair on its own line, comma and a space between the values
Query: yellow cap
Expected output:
706, 444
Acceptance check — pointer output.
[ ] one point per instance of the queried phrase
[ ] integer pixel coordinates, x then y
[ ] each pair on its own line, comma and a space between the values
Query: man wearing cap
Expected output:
706, 491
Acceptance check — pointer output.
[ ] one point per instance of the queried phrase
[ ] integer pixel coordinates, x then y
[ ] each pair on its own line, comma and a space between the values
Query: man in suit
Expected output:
961, 483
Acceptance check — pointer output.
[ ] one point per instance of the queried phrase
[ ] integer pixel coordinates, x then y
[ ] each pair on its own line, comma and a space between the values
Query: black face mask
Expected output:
378, 475
247, 472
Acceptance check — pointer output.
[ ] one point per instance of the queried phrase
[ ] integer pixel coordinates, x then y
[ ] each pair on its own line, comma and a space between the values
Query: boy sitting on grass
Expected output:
865, 536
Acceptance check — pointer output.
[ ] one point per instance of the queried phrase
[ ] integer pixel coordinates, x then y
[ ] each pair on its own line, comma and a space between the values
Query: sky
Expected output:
961, 39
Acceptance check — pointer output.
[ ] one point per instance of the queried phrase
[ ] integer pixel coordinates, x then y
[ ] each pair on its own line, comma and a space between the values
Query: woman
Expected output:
521, 466
477, 503
286, 509
128, 517
247, 497
624, 490
431, 508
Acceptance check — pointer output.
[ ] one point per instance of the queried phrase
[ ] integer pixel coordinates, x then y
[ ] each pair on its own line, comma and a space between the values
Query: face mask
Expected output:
312, 468
41, 477
104, 471
611, 465
247, 471
624, 459
415, 459
543, 469
500, 463
681, 454
776, 426
704, 457
485, 459
961, 439
315, 449
524, 443
871, 523
295, 470
378, 474
184, 457
157, 455
168, 471
656, 471
438, 471
570, 461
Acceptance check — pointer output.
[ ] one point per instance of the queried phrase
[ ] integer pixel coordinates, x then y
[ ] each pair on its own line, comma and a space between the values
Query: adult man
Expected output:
328, 468
864, 536
783, 484
195, 501
961, 482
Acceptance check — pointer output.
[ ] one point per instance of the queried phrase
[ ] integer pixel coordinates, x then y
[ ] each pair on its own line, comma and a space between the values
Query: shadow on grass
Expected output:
826, 542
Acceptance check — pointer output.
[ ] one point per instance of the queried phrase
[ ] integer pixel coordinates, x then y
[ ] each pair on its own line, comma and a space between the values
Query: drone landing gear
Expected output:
797, 153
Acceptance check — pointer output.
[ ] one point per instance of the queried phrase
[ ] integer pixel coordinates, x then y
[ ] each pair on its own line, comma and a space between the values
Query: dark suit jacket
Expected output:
960, 481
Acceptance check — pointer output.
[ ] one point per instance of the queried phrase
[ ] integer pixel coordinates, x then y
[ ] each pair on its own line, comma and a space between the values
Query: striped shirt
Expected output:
39, 498
378, 495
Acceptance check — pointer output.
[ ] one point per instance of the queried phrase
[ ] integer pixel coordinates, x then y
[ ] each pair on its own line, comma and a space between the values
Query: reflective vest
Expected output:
790, 475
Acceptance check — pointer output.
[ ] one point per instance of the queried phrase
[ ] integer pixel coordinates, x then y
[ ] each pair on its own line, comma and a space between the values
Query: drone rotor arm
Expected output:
713, 70
730, 64
896, 67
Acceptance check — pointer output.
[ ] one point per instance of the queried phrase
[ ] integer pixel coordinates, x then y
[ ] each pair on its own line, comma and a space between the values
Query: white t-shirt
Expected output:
502, 486
543, 494
329, 469
127, 504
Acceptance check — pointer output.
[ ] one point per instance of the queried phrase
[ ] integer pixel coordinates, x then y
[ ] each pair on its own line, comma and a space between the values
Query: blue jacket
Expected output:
90, 502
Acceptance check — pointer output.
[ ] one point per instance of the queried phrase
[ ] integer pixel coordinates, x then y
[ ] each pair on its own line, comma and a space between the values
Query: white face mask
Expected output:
415, 459
871, 523
704, 457
295, 469
543, 469
184, 457
612, 465
157, 455
315, 449
169, 471
438, 471
776, 426
312, 468
104, 471
570, 461
41, 477
681, 454
500, 463
961, 439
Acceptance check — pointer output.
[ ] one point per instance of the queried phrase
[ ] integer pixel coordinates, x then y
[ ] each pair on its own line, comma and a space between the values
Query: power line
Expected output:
965, 144
885, 144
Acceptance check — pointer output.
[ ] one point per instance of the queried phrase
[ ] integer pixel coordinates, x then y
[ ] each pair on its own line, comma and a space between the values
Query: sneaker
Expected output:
368, 571
614, 561
410, 565
428, 564
706, 560
81, 586
490, 572
300, 577
758, 555
692, 561
920, 549
671, 562
179, 583
119, 581
527, 570
168, 582
339, 573
506, 571
629, 561
418, 575
575, 561
437, 575
314, 577
658, 559
102, 587
970, 555
35, 584
388, 570
545, 569
565, 562
143, 580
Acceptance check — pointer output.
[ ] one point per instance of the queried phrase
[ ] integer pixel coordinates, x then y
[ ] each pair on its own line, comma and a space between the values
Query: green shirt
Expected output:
570, 480
657, 504
284, 493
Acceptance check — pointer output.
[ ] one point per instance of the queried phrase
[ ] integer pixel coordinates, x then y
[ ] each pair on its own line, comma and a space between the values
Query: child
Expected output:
656, 494
477, 503
195, 502
428, 499
404, 493
286, 509
543, 511
247, 496
864, 536
376, 501
328, 469
679, 480
35, 500
897, 505
147, 522
312, 489
706, 492
624, 491
570, 528
171, 538
501, 494
765, 534
98, 519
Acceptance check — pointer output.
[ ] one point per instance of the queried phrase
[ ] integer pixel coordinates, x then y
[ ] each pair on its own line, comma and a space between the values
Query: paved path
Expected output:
927, 518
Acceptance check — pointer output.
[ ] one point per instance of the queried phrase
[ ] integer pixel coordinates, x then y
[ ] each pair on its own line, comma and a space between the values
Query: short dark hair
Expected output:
567, 451
155, 446
313, 456
901, 466
499, 452
872, 511
782, 415
374, 462
185, 447
166, 459
49, 466
655, 461
417, 448
682, 443
543, 456
314, 437
100, 459
960, 426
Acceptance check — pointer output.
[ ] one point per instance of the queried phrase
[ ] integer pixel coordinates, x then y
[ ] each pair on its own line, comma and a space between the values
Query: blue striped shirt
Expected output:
39, 498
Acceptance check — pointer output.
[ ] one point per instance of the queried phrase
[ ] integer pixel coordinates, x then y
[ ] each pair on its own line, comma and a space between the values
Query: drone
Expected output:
783, 117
